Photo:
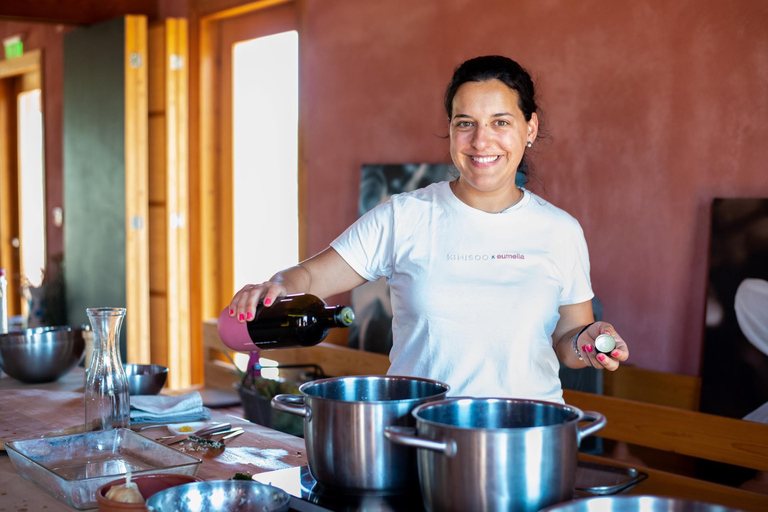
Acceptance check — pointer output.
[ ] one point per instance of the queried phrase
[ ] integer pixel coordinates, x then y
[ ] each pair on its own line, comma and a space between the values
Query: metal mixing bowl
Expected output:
43, 354
145, 379
220, 495
637, 504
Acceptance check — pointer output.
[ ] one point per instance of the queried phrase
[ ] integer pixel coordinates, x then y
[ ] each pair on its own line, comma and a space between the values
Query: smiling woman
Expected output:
489, 283
489, 134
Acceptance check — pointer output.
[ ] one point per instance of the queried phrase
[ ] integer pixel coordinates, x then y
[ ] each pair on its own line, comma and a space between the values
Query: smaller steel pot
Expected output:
344, 421
496, 454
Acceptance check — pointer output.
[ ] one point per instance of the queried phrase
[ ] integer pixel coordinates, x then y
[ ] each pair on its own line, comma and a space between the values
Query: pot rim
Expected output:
306, 385
575, 418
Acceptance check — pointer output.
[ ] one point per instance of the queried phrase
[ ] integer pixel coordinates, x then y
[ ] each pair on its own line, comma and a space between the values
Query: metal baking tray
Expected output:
601, 479
72, 467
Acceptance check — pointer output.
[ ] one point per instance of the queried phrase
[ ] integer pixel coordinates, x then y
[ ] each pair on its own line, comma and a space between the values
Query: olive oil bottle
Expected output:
300, 320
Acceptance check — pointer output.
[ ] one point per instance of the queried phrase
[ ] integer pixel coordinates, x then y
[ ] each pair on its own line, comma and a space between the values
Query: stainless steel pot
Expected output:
489, 454
344, 421
637, 504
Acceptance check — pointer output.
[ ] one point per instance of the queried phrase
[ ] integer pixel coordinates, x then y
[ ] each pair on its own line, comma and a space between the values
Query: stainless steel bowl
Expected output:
43, 354
636, 504
145, 379
220, 495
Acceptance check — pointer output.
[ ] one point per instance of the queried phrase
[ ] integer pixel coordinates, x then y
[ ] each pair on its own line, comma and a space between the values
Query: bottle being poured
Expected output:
299, 320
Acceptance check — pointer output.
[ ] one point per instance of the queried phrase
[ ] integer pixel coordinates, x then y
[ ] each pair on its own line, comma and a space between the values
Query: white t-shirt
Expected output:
475, 295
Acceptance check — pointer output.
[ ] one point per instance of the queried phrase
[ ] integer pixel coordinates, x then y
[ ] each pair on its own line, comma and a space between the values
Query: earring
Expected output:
529, 144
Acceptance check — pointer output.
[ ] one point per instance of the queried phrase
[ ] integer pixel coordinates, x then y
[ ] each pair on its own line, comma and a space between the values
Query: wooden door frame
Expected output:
168, 199
211, 285
12, 70
137, 189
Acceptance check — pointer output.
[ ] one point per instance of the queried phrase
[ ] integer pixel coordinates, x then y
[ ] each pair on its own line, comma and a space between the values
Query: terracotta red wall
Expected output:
653, 108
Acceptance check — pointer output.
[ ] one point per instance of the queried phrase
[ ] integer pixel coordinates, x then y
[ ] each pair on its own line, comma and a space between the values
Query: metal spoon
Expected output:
211, 429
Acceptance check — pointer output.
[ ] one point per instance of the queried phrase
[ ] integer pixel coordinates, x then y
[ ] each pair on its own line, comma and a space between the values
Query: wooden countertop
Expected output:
29, 411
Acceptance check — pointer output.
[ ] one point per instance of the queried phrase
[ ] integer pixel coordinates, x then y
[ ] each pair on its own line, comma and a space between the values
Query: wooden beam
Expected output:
76, 12
223, 9
706, 436
29, 62
660, 388
136, 190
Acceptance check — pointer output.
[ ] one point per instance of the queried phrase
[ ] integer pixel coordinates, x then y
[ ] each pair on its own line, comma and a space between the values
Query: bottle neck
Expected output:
339, 316
105, 324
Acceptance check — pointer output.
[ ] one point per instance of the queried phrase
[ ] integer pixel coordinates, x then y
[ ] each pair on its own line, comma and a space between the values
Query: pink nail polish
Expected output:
589, 348
583, 348
231, 312
615, 353
249, 315
267, 302
240, 317
601, 358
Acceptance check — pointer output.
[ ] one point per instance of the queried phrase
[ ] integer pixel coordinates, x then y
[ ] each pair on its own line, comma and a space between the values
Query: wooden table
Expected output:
58, 406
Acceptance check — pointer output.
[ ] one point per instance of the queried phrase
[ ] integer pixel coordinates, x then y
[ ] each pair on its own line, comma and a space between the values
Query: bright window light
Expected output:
31, 186
265, 117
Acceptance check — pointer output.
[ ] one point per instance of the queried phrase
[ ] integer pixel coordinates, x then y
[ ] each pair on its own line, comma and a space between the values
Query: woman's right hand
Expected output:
324, 274
243, 304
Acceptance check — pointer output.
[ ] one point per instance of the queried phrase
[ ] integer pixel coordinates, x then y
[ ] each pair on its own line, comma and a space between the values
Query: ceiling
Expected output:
75, 12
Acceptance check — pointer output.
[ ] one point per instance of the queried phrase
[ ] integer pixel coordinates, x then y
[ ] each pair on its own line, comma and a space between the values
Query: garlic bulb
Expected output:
126, 493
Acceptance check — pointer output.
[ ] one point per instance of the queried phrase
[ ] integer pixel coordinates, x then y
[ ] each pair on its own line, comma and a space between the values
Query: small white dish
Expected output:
186, 428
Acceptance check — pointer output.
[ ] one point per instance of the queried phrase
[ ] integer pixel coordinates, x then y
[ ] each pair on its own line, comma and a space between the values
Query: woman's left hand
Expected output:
590, 354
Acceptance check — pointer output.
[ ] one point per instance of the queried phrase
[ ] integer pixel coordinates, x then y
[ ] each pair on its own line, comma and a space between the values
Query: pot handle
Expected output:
407, 436
292, 404
596, 422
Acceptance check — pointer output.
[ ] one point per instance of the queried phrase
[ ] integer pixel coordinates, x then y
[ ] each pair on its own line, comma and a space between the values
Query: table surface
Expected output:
30, 411
258, 450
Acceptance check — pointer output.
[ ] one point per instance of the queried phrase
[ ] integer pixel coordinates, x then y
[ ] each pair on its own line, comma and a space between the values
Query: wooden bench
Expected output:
669, 425
690, 433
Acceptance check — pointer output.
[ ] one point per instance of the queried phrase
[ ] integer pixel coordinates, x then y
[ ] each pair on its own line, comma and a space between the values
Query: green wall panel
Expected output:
94, 170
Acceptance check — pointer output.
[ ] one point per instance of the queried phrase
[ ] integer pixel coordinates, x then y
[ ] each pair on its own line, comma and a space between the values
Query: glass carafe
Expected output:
107, 401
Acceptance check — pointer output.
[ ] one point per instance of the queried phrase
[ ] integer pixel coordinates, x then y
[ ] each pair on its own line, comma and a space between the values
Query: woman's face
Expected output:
488, 136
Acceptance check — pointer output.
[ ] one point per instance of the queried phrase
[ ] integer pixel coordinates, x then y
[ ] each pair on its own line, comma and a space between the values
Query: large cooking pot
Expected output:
344, 421
489, 454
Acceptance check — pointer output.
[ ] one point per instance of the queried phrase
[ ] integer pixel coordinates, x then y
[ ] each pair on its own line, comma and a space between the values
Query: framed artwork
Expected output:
735, 356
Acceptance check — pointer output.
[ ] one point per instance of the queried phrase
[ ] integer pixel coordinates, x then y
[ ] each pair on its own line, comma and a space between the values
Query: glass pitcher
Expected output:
107, 401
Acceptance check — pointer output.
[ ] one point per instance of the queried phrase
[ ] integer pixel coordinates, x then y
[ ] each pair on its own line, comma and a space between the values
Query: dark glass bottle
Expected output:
300, 320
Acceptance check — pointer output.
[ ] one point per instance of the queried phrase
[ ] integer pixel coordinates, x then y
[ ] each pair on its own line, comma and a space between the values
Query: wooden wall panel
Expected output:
157, 158
158, 269
158, 328
156, 67
9, 203
169, 198
137, 189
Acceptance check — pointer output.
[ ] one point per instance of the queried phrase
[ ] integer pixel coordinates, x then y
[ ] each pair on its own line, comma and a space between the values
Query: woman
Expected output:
489, 283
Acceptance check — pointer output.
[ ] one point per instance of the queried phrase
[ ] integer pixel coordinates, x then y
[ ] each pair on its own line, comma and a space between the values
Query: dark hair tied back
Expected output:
494, 67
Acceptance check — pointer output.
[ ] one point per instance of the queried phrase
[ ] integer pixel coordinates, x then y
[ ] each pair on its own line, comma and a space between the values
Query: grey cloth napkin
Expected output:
168, 409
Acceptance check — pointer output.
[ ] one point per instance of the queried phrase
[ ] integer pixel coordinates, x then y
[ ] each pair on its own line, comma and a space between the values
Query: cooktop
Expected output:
307, 495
